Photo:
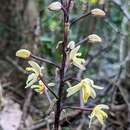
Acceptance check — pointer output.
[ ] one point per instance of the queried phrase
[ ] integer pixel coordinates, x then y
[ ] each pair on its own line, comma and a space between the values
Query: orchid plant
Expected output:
70, 56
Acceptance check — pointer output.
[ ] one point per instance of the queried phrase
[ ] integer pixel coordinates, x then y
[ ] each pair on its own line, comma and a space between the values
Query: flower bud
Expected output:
98, 12
55, 6
23, 53
93, 38
71, 45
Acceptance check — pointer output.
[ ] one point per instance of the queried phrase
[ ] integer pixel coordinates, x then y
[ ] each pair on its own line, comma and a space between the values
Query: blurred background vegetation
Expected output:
29, 24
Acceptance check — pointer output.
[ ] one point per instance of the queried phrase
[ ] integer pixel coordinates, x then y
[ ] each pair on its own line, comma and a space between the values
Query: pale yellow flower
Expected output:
87, 86
74, 57
98, 113
35, 70
40, 88
23, 53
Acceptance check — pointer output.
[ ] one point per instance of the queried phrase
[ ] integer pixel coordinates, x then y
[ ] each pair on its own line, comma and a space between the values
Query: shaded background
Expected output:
29, 24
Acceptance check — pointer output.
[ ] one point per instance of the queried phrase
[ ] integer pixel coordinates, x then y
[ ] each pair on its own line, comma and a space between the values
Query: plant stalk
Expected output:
62, 74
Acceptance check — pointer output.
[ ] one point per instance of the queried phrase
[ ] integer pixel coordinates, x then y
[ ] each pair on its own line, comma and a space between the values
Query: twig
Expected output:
79, 18
45, 60
71, 79
25, 109
15, 64
71, 116
82, 41
114, 27
118, 107
48, 88
77, 108
107, 48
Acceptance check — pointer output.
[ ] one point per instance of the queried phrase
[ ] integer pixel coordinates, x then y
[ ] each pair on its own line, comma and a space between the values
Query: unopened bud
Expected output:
93, 38
98, 12
55, 6
23, 53
71, 45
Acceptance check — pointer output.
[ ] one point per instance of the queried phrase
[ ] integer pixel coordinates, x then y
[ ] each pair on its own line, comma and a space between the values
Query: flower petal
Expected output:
104, 114
73, 90
93, 93
30, 69
86, 91
97, 87
80, 66
100, 118
31, 82
103, 106
89, 80
78, 54
36, 67
91, 119
92, 83
30, 77
73, 52
34, 86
